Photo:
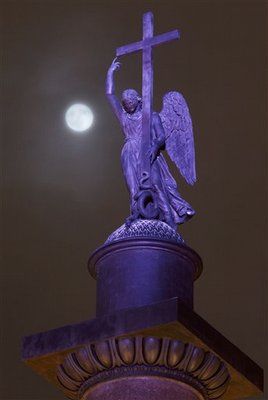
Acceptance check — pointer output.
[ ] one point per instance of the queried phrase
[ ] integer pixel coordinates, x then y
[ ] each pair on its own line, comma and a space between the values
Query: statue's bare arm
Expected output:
113, 100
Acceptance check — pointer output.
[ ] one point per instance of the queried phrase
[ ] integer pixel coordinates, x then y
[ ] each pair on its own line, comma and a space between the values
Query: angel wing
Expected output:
178, 129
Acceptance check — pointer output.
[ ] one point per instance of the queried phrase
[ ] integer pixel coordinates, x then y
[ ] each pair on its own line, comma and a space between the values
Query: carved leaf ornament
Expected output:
141, 356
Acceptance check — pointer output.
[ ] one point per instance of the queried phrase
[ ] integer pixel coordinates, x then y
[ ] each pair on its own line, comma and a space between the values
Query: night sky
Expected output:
63, 193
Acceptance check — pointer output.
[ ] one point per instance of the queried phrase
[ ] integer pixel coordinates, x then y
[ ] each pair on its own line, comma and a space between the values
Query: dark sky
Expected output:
63, 193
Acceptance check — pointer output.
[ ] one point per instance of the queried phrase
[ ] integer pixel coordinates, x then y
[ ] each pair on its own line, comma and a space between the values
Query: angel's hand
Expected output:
110, 77
115, 65
153, 153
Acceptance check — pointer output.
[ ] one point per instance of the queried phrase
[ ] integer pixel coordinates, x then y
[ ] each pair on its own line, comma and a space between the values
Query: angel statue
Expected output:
171, 130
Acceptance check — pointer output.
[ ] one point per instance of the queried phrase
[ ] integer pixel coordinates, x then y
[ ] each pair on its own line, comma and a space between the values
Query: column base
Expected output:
144, 368
46, 351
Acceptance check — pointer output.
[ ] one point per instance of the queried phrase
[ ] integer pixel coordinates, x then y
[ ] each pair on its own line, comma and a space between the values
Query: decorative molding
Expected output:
132, 243
143, 356
146, 228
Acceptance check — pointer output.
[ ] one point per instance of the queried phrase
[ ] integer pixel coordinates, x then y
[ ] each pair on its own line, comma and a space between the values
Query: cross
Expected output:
146, 45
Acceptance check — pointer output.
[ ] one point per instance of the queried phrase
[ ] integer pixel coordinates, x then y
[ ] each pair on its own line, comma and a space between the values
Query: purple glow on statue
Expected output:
153, 190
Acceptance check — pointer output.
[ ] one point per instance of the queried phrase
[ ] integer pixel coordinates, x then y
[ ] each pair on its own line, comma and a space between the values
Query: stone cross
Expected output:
145, 45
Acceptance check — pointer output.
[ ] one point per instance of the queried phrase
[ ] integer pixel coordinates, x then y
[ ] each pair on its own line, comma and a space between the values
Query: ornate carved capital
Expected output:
143, 356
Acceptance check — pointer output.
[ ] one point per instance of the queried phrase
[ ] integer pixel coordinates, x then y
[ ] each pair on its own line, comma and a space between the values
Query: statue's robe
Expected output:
173, 208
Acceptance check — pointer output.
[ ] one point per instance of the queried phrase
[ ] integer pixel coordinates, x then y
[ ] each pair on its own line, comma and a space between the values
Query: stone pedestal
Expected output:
146, 343
136, 272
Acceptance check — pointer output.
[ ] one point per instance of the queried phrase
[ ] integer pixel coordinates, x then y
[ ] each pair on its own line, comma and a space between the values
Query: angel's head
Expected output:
131, 100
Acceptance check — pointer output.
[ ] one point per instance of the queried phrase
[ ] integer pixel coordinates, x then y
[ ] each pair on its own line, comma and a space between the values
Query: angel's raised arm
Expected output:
113, 100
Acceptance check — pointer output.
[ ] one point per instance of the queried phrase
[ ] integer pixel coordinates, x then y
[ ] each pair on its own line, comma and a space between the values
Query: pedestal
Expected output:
146, 342
136, 272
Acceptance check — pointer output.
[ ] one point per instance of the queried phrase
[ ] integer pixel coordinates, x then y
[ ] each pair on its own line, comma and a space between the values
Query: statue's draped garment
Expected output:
172, 206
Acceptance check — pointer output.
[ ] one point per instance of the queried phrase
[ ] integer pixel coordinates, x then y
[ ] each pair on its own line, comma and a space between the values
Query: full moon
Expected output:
79, 117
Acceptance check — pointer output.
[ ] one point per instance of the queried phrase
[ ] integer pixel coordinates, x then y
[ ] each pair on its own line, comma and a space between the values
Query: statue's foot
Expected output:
186, 213
129, 220
190, 213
